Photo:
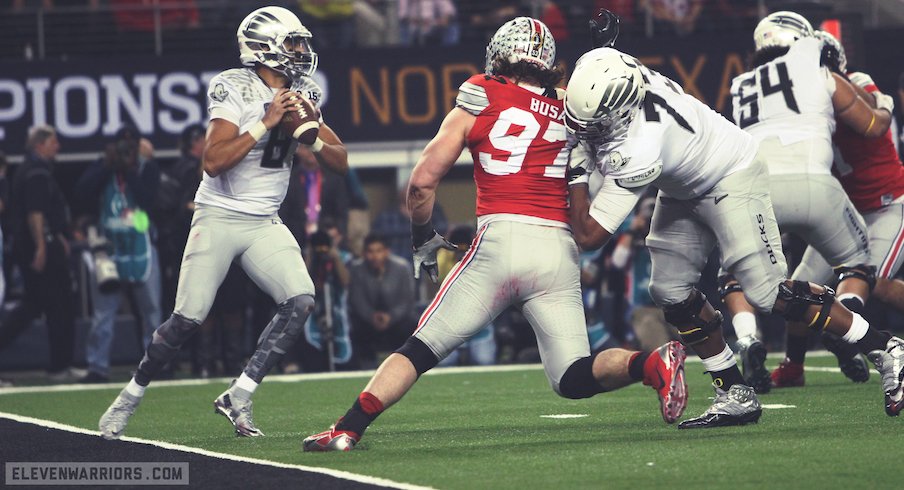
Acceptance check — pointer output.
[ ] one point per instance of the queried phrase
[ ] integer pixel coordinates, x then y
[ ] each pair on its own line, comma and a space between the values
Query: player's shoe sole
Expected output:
673, 394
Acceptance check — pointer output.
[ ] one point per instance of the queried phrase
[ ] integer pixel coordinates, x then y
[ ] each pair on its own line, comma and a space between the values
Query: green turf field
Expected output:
485, 430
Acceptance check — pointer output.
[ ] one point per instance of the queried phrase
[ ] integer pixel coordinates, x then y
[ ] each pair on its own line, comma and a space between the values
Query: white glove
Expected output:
884, 102
579, 165
425, 256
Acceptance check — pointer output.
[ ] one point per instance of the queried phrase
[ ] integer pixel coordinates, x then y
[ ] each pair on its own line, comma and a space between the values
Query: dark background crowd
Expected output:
70, 308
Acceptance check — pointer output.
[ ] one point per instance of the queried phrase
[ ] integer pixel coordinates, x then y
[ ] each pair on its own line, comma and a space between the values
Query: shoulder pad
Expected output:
640, 180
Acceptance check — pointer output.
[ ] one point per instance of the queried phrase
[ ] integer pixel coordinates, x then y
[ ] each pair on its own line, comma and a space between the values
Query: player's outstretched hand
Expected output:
425, 256
283, 101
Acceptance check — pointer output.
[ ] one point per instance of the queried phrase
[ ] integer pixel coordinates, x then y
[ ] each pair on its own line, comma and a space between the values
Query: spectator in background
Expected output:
479, 350
327, 333
428, 22
40, 223
394, 224
123, 185
139, 15
554, 18
174, 206
673, 16
358, 214
380, 301
333, 21
371, 25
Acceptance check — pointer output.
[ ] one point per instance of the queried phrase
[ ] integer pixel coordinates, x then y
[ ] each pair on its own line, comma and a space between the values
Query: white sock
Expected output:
720, 361
744, 324
135, 389
246, 383
858, 329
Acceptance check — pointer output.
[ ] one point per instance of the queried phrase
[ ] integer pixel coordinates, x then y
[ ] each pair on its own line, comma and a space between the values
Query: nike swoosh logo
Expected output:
719, 198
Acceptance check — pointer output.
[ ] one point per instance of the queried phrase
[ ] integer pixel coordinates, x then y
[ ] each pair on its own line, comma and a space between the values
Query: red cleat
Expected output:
788, 374
664, 372
331, 440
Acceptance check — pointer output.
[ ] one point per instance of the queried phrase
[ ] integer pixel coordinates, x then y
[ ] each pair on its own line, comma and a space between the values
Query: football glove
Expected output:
603, 29
885, 102
578, 170
425, 256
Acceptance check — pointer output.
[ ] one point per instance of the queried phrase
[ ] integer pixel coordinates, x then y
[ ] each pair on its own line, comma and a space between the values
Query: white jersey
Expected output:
790, 98
256, 185
676, 143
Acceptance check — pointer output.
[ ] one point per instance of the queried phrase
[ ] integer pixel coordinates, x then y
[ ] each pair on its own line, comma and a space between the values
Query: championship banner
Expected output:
370, 95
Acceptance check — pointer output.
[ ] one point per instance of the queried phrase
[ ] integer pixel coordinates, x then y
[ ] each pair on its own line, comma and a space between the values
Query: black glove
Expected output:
603, 29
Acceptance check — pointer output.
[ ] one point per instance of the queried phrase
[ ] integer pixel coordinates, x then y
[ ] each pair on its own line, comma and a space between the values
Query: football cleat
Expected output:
753, 363
331, 440
737, 406
239, 412
890, 364
114, 421
664, 372
849, 360
788, 374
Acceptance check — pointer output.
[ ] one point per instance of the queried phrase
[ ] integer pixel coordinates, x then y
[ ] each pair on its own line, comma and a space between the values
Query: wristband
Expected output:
317, 145
258, 130
421, 233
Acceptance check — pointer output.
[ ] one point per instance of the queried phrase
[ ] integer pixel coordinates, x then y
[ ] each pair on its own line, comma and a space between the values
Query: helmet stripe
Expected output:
268, 16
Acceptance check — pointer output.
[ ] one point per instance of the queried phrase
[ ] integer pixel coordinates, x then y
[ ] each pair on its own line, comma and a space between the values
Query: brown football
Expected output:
304, 124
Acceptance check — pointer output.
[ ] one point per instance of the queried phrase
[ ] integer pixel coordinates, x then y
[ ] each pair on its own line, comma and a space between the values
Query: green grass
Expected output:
484, 430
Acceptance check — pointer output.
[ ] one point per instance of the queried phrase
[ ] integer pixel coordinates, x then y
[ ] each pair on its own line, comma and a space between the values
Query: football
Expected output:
304, 124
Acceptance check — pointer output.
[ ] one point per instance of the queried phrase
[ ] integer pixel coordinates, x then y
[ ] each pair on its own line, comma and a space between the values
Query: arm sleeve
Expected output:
612, 204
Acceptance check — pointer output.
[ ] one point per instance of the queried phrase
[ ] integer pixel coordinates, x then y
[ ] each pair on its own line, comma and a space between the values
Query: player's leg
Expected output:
471, 296
680, 242
211, 246
886, 238
273, 261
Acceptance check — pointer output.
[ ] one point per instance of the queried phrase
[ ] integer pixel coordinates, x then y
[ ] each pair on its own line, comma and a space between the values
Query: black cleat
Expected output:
753, 363
737, 406
849, 359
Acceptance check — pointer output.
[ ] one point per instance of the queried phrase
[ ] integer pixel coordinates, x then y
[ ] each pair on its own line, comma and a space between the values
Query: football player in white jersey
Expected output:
247, 160
789, 102
638, 128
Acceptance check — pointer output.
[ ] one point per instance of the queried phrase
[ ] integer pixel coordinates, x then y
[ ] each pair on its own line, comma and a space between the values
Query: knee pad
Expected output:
175, 331
578, 381
798, 297
727, 285
685, 317
864, 272
419, 354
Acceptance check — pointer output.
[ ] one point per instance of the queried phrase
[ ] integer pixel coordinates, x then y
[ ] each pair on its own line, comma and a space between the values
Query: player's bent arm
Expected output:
437, 158
856, 113
225, 147
332, 154
593, 223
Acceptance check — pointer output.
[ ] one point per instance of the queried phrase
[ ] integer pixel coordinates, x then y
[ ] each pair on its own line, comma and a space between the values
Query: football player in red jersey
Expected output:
873, 177
511, 121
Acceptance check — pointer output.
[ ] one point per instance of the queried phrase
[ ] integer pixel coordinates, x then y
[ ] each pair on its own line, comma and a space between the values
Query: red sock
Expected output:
370, 404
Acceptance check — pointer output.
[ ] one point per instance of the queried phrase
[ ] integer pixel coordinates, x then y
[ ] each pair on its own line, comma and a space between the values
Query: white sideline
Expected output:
294, 378
345, 475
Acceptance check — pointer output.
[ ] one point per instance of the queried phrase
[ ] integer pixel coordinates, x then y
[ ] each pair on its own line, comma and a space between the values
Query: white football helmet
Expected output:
604, 93
781, 29
522, 38
830, 41
274, 37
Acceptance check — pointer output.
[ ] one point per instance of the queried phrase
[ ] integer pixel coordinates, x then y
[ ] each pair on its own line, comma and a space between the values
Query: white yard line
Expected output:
294, 378
371, 480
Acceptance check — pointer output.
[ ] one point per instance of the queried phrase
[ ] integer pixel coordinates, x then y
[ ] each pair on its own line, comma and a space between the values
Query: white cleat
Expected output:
114, 421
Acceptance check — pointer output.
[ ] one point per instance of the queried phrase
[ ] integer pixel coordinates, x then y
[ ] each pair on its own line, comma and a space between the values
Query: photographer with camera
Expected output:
123, 185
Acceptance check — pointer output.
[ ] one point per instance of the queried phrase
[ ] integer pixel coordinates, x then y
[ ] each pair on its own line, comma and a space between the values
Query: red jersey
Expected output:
518, 147
868, 168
